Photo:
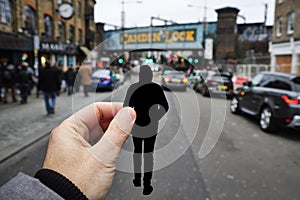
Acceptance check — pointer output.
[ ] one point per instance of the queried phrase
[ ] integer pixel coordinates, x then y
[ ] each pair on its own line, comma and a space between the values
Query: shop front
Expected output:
56, 53
14, 48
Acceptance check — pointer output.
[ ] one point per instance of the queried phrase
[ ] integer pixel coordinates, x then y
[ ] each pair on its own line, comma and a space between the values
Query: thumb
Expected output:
108, 148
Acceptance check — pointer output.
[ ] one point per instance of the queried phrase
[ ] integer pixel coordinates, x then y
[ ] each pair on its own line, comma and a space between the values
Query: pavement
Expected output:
23, 124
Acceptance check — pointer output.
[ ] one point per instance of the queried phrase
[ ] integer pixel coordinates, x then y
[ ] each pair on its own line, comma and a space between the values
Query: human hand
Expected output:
76, 152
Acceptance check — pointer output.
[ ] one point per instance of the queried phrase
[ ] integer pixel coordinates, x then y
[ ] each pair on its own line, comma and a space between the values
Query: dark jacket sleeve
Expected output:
24, 187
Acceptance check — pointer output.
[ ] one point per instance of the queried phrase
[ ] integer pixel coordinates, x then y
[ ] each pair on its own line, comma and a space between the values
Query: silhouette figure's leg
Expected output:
137, 160
148, 164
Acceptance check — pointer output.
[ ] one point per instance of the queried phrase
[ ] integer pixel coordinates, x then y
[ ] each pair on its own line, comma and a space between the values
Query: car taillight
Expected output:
290, 101
166, 79
185, 80
105, 79
288, 121
212, 80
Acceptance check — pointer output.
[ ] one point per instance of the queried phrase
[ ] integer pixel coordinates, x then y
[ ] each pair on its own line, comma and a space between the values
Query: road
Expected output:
245, 163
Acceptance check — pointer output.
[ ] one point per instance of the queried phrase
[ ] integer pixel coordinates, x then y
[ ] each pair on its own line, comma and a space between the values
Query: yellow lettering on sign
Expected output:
156, 37
182, 36
130, 39
168, 37
190, 36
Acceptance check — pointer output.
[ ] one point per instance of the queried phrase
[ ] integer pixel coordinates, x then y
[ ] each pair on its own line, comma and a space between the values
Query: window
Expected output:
257, 80
79, 9
279, 26
5, 12
71, 34
30, 21
297, 84
291, 20
62, 31
279, 84
60, 59
71, 61
48, 27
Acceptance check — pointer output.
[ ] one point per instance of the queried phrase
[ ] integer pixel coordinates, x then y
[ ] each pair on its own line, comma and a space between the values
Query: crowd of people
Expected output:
19, 81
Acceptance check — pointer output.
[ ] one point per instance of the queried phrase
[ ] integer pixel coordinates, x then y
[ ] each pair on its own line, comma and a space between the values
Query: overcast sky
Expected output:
139, 14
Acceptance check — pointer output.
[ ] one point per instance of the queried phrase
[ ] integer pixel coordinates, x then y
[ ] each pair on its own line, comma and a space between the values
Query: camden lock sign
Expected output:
163, 36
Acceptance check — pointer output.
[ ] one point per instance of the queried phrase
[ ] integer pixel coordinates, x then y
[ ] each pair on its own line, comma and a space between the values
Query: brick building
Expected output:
241, 43
36, 28
285, 46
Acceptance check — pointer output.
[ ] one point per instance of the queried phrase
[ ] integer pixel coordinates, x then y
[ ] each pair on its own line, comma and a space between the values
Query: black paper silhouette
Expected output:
150, 104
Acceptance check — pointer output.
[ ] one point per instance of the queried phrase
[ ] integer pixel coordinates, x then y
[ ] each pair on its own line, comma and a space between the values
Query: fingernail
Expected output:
127, 114
131, 113
125, 119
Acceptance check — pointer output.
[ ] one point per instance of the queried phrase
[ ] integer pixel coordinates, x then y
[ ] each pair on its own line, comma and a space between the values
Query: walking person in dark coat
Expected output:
70, 79
49, 84
149, 101
9, 79
24, 81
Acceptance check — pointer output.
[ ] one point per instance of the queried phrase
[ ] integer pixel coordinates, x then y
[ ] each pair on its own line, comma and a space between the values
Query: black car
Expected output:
272, 97
218, 83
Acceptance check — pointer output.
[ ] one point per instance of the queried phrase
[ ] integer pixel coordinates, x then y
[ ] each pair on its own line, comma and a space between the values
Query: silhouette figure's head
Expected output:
145, 75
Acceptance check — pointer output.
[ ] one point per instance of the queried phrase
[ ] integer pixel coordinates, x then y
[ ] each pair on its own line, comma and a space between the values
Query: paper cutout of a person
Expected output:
150, 104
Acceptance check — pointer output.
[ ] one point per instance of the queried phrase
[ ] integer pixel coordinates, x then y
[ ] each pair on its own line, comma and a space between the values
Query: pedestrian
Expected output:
72, 169
70, 79
24, 82
9, 80
60, 72
77, 80
150, 104
85, 73
49, 84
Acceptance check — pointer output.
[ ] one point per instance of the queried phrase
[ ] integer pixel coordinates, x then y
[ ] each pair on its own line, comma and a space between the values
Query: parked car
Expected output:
175, 80
103, 79
217, 83
274, 98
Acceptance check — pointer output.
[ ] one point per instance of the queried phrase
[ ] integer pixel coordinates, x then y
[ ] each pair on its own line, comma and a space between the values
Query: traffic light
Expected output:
149, 61
24, 57
120, 61
190, 60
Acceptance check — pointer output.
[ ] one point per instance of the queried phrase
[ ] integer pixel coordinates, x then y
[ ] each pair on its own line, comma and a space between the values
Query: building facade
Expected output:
245, 43
37, 29
285, 46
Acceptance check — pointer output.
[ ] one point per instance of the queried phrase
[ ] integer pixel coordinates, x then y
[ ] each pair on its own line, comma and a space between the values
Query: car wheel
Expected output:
235, 105
266, 120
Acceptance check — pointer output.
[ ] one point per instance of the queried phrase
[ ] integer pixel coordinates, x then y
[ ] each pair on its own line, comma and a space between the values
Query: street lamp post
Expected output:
123, 15
204, 26
123, 10
204, 22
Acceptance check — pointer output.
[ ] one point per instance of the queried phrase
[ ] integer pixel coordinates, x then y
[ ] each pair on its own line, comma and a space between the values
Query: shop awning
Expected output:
85, 50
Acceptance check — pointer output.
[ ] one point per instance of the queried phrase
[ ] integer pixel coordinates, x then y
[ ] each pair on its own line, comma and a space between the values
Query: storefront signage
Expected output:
52, 47
58, 48
165, 36
13, 42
